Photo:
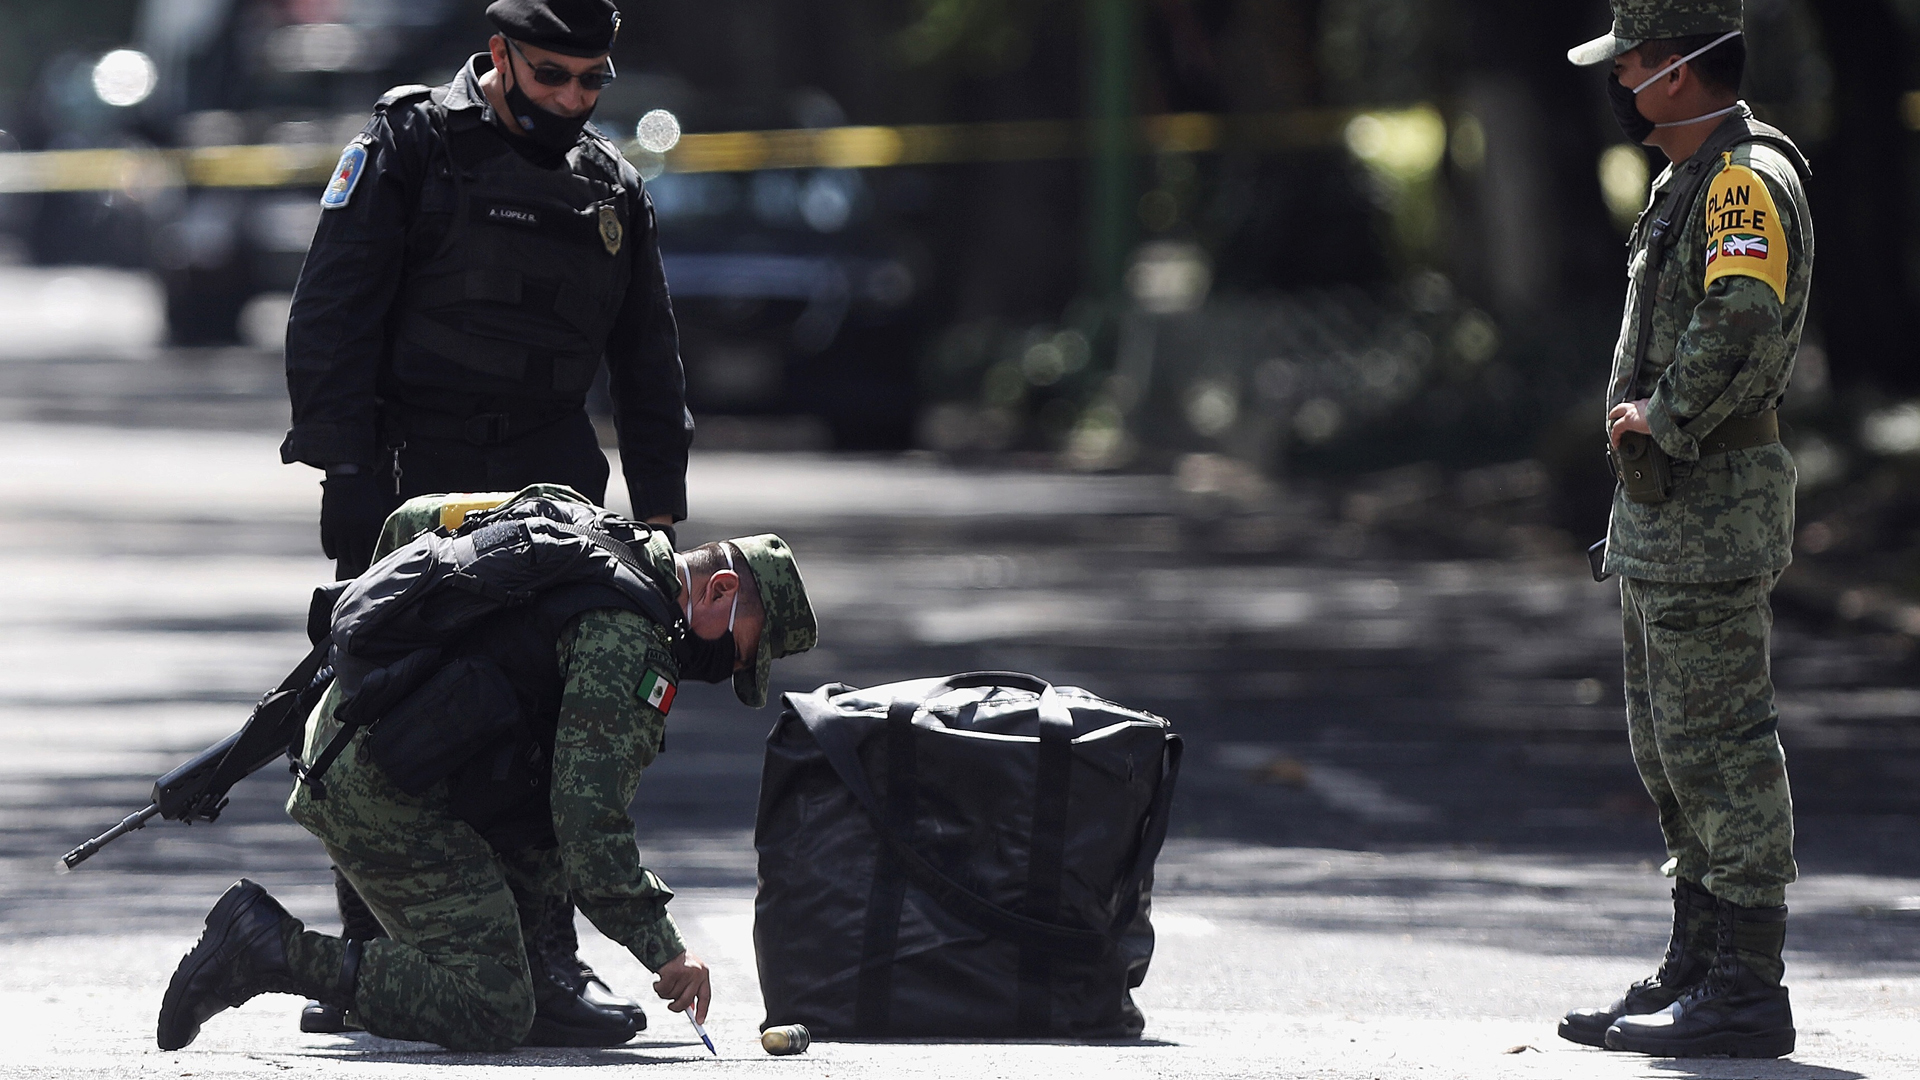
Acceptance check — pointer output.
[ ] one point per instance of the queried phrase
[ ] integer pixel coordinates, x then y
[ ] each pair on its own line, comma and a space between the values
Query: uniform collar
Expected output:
1741, 115
465, 93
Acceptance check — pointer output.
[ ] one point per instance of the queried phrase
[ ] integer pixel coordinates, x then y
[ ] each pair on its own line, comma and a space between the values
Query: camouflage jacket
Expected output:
1728, 310
607, 735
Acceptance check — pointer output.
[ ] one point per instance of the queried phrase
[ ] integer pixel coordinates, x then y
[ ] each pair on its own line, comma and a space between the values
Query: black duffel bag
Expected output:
969, 856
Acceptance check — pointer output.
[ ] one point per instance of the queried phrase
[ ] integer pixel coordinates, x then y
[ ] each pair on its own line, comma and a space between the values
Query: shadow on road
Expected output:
1724, 1069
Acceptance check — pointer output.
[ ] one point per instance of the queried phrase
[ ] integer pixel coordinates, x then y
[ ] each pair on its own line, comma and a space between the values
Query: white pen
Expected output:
702, 1032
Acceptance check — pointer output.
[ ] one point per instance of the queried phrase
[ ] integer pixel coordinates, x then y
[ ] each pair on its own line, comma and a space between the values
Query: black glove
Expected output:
353, 507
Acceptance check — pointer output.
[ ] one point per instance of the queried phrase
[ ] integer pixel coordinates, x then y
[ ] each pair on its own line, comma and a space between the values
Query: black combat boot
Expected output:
356, 924
562, 1015
594, 991
1690, 953
1740, 1010
241, 953
563, 954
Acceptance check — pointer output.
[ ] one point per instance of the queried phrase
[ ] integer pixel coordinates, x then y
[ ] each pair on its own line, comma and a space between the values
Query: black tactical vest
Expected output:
445, 653
507, 664
521, 294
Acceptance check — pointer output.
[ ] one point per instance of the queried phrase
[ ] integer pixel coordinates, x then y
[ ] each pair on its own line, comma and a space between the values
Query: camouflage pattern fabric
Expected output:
1637, 21
608, 735
454, 971
1718, 351
1701, 721
791, 626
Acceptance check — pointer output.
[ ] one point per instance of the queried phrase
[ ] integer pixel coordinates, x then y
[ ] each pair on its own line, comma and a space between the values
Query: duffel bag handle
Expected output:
1018, 680
1056, 720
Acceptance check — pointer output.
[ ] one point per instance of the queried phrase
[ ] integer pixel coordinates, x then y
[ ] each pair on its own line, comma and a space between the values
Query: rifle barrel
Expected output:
87, 850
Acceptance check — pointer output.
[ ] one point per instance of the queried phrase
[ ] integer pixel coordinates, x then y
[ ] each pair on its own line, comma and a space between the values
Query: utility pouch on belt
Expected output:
465, 706
1643, 468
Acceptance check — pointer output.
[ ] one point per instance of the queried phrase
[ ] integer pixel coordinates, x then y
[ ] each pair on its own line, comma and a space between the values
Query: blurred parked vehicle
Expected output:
797, 295
287, 72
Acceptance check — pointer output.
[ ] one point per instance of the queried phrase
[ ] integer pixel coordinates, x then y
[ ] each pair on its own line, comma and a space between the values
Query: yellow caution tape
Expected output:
1025, 140
279, 166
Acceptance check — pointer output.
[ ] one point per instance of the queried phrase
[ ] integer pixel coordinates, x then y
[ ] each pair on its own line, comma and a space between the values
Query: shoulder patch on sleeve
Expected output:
346, 176
1745, 236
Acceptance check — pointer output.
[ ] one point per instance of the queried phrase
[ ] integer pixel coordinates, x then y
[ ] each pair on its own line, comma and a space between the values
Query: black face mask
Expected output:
1626, 111
705, 661
547, 129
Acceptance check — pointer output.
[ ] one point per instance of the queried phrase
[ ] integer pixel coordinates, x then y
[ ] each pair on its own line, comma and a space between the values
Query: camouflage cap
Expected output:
1637, 21
790, 627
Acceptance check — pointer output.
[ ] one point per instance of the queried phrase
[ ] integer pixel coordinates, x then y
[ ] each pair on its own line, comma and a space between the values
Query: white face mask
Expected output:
735, 609
1663, 72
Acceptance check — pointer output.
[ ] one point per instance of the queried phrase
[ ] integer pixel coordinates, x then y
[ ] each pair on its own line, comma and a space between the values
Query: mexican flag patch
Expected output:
1740, 244
656, 691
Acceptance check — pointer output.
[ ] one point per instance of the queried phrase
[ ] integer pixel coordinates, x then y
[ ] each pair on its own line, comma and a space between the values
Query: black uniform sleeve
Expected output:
337, 331
649, 385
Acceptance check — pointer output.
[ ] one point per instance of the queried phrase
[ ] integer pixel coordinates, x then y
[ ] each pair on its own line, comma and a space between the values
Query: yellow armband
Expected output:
1745, 236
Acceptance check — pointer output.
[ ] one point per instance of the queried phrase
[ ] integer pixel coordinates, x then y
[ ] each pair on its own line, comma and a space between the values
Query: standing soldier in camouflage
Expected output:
1703, 521
449, 883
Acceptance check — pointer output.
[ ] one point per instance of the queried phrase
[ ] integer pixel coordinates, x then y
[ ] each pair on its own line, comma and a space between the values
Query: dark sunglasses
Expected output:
555, 75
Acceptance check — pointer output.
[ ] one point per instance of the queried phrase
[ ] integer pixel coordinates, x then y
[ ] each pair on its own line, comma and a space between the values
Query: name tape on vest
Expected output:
512, 215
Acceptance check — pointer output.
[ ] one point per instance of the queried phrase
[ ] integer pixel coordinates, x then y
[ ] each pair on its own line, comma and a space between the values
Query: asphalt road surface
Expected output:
1409, 835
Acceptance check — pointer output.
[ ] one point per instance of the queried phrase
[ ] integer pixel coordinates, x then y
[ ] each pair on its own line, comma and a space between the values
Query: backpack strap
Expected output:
654, 599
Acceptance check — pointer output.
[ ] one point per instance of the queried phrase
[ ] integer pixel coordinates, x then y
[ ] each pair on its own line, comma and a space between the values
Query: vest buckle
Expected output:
487, 429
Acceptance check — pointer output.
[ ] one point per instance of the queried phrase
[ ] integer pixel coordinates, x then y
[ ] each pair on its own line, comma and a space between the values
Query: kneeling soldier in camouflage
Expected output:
441, 868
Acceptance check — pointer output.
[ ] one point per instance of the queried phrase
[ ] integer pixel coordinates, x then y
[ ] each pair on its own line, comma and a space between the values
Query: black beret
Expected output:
572, 27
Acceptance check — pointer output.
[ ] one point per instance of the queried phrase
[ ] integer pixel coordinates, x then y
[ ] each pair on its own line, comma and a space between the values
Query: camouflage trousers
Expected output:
1704, 732
454, 969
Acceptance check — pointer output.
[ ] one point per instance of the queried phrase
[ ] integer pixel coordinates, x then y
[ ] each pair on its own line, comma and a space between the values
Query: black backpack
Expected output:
391, 627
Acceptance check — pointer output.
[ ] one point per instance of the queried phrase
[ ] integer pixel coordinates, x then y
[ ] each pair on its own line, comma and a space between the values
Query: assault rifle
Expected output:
197, 789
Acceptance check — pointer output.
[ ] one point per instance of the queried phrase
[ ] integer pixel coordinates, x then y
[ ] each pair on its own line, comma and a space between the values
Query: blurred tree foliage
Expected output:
983, 37
1521, 242
37, 30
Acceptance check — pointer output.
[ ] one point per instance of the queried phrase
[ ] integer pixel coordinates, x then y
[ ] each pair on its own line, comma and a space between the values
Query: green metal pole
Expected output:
1112, 33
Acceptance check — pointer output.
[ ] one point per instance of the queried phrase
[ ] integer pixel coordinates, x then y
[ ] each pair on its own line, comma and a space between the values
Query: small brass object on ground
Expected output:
791, 1039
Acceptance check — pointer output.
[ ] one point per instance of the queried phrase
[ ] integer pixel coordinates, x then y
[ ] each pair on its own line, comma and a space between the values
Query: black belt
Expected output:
1742, 433
480, 429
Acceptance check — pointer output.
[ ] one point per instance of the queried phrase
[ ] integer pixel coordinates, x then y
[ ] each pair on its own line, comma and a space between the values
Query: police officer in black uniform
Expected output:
482, 252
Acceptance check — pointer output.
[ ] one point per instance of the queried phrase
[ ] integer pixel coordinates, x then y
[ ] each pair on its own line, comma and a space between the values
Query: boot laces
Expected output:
550, 958
1726, 969
1676, 954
